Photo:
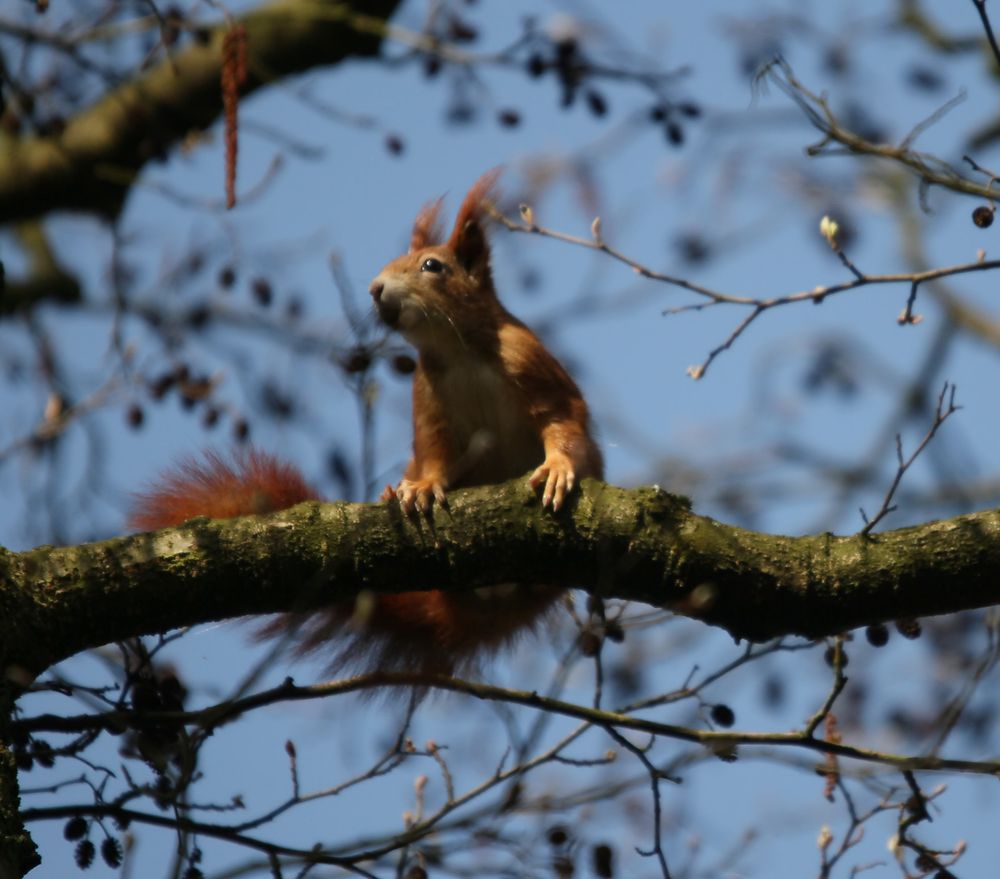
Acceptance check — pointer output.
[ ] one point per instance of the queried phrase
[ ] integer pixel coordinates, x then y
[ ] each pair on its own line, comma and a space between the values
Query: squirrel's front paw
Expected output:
557, 473
420, 494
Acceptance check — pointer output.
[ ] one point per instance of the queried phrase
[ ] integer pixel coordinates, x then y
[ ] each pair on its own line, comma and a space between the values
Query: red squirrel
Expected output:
490, 403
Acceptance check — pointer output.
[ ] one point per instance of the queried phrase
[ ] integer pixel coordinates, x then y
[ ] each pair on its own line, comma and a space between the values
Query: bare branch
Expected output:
988, 29
758, 306
941, 414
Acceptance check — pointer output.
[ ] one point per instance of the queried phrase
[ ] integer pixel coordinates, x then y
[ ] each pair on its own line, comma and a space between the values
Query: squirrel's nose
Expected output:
376, 289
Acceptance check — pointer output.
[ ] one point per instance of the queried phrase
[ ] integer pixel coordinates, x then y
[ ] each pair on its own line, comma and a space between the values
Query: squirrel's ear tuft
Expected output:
468, 238
427, 226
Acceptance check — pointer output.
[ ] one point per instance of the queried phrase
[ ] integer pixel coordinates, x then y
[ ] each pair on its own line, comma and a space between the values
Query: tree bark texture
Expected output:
639, 544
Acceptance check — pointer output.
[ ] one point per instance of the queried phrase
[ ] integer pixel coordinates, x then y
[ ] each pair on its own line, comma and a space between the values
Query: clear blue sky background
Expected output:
741, 179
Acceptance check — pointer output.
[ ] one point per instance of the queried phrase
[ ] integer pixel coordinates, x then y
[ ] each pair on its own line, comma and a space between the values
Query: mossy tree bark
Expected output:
639, 544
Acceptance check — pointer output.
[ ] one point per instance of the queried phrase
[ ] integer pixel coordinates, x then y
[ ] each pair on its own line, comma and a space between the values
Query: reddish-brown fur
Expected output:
253, 482
489, 403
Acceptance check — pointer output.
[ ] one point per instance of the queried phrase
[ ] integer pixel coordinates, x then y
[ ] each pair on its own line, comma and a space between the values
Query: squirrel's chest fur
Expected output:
490, 433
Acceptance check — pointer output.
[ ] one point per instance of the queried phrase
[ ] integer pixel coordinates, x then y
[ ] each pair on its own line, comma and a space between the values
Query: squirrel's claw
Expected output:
556, 472
420, 494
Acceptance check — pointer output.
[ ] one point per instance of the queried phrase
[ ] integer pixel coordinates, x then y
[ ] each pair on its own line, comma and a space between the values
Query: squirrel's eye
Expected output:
432, 265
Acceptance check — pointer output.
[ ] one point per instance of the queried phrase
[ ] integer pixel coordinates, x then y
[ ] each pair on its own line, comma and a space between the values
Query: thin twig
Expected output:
711, 297
988, 28
214, 716
655, 776
941, 414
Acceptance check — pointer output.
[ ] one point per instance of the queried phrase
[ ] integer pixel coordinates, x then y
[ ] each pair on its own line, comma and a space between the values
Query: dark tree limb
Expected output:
18, 854
640, 544
91, 164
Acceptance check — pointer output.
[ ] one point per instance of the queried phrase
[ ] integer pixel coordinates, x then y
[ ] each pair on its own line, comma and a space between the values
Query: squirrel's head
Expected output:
439, 290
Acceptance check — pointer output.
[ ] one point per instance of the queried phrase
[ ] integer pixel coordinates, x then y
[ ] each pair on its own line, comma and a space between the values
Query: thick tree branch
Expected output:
91, 164
640, 544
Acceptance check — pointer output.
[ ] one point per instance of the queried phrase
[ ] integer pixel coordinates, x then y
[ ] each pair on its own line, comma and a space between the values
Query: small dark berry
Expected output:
241, 430
509, 118
135, 416
830, 655
590, 643
358, 360
723, 715
558, 835
161, 385
909, 629
43, 754
536, 65
211, 417
562, 866
395, 144
613, 631
983, 216
262, 292
432, 66
596, 103
76, 828
277, 402
924, 78
227, 277
657, 113
675, 134
877, 634
404, 364
565, 50
603, 861
693, 248
198, 317
111, 851
461, 31
84, 854
689, 109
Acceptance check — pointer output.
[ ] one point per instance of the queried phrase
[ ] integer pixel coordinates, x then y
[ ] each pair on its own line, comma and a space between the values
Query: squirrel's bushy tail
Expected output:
421, 632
